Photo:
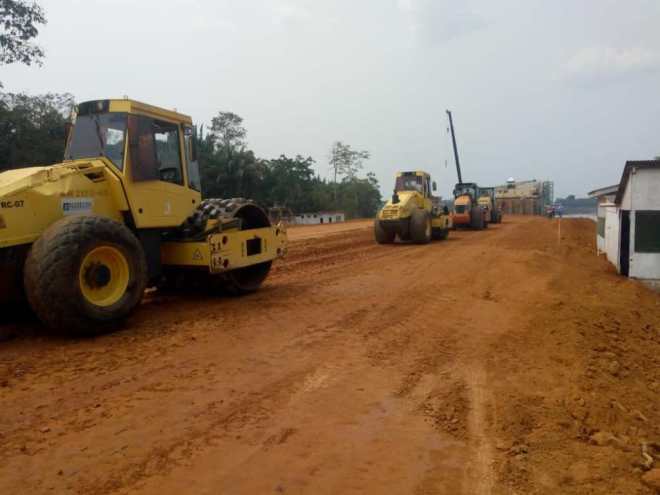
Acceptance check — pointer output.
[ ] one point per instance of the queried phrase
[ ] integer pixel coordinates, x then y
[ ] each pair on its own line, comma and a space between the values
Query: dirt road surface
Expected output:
501, 362
306, 232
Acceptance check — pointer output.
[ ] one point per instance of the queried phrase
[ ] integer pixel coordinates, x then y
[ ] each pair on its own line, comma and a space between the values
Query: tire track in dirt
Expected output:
480, 475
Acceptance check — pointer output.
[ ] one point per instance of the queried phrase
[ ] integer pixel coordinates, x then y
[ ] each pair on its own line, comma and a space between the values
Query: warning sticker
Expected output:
197, 255
74, 206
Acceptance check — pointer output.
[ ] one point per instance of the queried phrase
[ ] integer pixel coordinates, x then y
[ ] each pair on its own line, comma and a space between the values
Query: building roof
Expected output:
630, 165
603, 191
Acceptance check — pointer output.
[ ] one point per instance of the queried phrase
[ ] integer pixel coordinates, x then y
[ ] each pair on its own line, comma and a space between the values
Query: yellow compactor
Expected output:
413, 213
489, 204
83, 239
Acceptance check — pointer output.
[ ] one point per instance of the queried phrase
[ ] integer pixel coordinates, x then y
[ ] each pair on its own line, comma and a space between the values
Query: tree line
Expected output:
230, 169
32, 132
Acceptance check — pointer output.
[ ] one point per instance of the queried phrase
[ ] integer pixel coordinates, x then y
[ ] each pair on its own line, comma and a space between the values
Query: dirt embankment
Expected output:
495, 362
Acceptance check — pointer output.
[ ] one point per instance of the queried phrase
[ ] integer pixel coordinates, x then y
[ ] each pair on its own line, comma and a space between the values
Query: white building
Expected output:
631, 235
320, 217
606, 206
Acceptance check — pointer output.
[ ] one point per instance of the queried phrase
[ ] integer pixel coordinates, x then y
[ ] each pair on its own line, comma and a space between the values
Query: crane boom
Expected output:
453, 141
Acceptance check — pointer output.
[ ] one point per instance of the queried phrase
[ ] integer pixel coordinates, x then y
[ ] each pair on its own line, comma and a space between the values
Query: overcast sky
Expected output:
564, 90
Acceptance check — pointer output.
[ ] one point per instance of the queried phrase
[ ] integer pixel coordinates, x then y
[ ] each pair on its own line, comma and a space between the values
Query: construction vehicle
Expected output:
84, 238
487, 202
467, 210
413, 213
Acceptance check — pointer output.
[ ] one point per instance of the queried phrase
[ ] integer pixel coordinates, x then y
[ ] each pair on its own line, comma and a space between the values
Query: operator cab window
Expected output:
168, 154
98, 134
155, 150
409, 183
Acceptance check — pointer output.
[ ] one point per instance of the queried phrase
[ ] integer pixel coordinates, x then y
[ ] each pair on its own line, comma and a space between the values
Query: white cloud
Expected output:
440, 20
595, 65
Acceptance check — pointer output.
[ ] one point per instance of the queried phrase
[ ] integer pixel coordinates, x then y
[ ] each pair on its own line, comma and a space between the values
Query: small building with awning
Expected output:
629, 226
606, 207
638, 200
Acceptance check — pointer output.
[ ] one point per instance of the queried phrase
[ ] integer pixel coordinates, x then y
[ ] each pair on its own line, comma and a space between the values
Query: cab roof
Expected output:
413, 172
132, 107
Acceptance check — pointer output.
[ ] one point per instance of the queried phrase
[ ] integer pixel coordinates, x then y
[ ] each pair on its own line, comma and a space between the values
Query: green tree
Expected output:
359, 198
290, 182
373, 199
230, 169
32, 128
228, 172
18, 28
227, 128
346, 161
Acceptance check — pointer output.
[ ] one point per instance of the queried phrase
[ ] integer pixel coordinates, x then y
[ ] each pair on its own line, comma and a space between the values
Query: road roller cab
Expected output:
122, 212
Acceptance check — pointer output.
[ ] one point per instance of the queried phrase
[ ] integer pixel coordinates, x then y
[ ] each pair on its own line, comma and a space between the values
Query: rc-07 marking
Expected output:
19, 203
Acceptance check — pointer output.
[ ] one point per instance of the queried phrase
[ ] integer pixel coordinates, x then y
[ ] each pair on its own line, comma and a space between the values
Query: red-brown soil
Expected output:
501, 361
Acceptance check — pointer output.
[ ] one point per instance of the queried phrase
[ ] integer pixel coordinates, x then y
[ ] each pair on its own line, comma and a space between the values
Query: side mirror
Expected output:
435, 186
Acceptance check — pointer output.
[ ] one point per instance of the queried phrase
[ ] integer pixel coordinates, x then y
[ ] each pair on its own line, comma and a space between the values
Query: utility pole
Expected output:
453, 141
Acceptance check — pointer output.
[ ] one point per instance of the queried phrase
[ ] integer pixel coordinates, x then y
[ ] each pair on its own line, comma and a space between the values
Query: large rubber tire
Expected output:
476, 218
84, 274
382, 236
420, 226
